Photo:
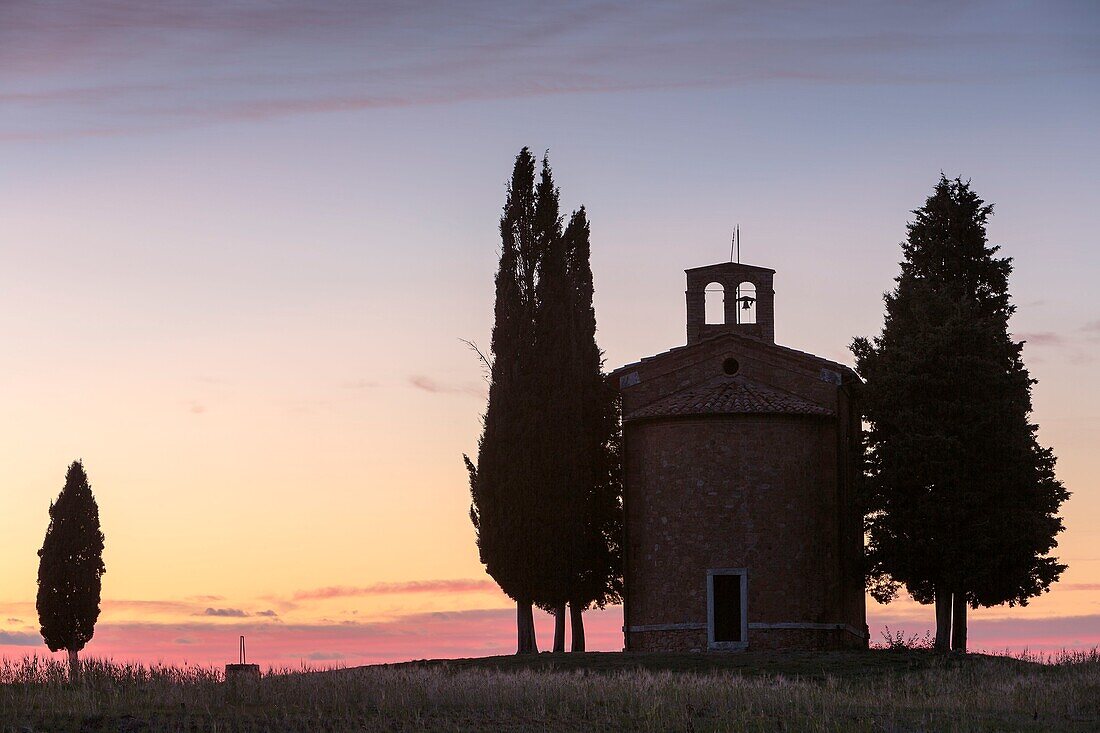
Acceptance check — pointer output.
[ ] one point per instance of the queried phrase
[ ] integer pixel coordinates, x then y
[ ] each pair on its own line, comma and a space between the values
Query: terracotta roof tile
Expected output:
729, 395
783, 349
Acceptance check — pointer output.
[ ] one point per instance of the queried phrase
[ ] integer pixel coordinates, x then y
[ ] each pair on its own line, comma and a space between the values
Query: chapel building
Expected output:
740, 457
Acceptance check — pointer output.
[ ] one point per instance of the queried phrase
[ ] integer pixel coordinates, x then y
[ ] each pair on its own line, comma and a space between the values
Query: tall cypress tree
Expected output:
580, 469
962, 500
503, 488
556, 405
70, 568
545, 491
597, 497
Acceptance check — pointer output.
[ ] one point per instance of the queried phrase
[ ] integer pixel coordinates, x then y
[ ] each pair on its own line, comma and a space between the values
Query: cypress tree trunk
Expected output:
958, 631
525, 626
943, 620
559, 628
576, 621
74, 666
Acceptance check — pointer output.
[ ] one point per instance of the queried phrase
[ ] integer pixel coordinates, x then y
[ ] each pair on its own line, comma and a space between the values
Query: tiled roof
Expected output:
728, 335
729, 395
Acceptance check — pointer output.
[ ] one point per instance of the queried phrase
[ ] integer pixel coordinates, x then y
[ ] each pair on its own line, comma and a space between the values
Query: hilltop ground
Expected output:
877, 690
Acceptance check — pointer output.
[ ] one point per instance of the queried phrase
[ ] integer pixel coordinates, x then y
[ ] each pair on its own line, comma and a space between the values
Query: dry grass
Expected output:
868, 691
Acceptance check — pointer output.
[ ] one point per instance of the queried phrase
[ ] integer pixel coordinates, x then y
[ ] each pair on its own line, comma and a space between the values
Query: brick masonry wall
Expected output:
752, 491
759, 640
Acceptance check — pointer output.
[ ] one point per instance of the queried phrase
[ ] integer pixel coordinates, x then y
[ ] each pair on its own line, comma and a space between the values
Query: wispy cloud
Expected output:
146, 606
1073, 347
490, 631
19, 638
359, 384
325, 656
1091, 331
167, 62
427, 384
269, 613
1042, 338
413, 586
409, 636
225, 612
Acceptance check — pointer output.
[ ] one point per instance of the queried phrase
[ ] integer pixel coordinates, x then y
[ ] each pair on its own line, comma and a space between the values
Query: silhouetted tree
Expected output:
596, 539
504, 505
545, 491
962, 501
556, 404
70, 568
579, 489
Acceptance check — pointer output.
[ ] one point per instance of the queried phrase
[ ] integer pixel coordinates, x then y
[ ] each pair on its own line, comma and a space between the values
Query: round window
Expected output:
730, 366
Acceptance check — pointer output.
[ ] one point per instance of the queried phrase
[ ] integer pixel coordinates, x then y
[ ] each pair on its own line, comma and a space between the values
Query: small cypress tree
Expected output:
70, 568
962, 501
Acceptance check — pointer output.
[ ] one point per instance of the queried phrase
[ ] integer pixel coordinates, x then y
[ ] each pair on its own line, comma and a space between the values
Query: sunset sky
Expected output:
240, 243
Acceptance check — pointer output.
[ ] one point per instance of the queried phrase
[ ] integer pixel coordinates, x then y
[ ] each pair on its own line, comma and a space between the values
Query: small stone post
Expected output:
242, 672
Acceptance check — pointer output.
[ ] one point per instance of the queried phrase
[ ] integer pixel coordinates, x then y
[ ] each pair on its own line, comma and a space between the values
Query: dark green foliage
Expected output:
70, 566
961, 499
560, 469
546, 497
580, 471
503, 485
597, 576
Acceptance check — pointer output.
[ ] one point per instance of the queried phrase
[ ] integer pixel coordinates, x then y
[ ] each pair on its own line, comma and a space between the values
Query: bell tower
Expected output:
730, 298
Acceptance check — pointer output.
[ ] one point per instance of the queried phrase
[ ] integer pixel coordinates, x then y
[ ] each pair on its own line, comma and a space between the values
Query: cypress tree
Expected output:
546, 493
70, 569
596, 505
504, 506
962, 500
556, 407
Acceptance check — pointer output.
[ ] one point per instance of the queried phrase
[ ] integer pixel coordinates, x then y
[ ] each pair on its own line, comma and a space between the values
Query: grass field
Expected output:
878, 690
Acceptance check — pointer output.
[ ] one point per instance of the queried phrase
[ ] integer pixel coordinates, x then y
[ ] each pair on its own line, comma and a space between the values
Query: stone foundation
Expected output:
695, 640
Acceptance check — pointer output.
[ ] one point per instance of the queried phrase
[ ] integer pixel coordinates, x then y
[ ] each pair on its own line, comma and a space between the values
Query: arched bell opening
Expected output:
745, 298
715, 304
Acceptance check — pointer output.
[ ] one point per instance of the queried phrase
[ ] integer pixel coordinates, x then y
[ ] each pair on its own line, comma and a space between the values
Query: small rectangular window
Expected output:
726, 597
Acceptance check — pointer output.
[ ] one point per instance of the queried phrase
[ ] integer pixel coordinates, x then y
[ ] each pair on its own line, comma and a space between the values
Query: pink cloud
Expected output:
414, 636
1045, 634
1041, 338
413, 586
474, 633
